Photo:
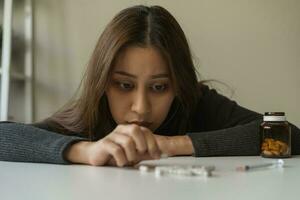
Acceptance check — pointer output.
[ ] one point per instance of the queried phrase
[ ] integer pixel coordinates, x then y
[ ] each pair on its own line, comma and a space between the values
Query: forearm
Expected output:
25, 143
240, 140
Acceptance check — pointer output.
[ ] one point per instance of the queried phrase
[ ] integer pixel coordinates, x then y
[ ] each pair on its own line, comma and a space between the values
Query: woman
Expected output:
140, 99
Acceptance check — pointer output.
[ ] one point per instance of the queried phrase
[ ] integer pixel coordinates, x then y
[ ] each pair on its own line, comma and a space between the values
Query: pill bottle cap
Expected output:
274, 116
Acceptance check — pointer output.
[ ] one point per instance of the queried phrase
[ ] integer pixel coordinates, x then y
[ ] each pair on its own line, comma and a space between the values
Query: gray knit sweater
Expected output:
219, 128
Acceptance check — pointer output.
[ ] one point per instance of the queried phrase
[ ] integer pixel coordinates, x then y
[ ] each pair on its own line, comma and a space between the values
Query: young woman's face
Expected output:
140, 89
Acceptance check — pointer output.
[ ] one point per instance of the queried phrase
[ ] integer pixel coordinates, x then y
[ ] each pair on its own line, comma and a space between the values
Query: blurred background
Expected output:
251, 46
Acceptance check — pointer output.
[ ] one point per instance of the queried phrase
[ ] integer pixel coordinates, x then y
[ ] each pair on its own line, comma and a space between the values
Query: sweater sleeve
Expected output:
229, 129
26, 143
241, 140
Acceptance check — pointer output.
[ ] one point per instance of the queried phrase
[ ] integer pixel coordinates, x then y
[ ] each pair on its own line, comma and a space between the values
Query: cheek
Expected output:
161, 108
117, 108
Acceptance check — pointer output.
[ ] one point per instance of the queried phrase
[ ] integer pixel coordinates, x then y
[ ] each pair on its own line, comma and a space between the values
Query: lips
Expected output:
141, 123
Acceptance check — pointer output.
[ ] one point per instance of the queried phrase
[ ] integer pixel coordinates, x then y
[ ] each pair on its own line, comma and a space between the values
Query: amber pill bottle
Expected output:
275, 135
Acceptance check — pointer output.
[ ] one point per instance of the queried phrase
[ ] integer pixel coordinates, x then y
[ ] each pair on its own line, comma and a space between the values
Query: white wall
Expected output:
253, 46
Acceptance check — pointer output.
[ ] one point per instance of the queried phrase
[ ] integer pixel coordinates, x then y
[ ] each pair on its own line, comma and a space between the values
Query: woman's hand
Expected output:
175, 145
125, 145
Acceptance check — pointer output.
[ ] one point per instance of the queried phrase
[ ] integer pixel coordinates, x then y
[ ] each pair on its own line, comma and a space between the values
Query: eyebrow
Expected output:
162, 75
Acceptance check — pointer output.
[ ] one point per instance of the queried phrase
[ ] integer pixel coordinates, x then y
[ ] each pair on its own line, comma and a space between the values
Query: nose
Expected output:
141, 103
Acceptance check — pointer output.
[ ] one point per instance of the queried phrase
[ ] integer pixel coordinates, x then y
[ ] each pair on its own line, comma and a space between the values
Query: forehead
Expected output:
138, 60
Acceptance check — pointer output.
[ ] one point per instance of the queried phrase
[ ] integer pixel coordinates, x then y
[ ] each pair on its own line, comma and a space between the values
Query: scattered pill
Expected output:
143, 168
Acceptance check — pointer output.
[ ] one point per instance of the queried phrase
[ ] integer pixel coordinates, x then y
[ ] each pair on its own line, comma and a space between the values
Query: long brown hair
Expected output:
135, 26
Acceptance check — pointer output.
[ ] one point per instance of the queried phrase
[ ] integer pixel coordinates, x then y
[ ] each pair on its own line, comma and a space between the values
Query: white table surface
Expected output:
47, 181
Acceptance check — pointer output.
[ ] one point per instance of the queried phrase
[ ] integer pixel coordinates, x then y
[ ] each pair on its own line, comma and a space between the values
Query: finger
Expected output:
117, 153
98, 153
134, 131
140, 158
112, 162
145, 156
152, 145
127, 144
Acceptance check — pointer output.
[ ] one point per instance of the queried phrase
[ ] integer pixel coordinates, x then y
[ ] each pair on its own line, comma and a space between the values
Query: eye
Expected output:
157, 87
126, 86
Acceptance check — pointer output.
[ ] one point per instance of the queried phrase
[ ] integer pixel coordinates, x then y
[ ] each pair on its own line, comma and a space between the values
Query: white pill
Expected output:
158, 172
201, 172
183, 172
144, 168
280, 163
